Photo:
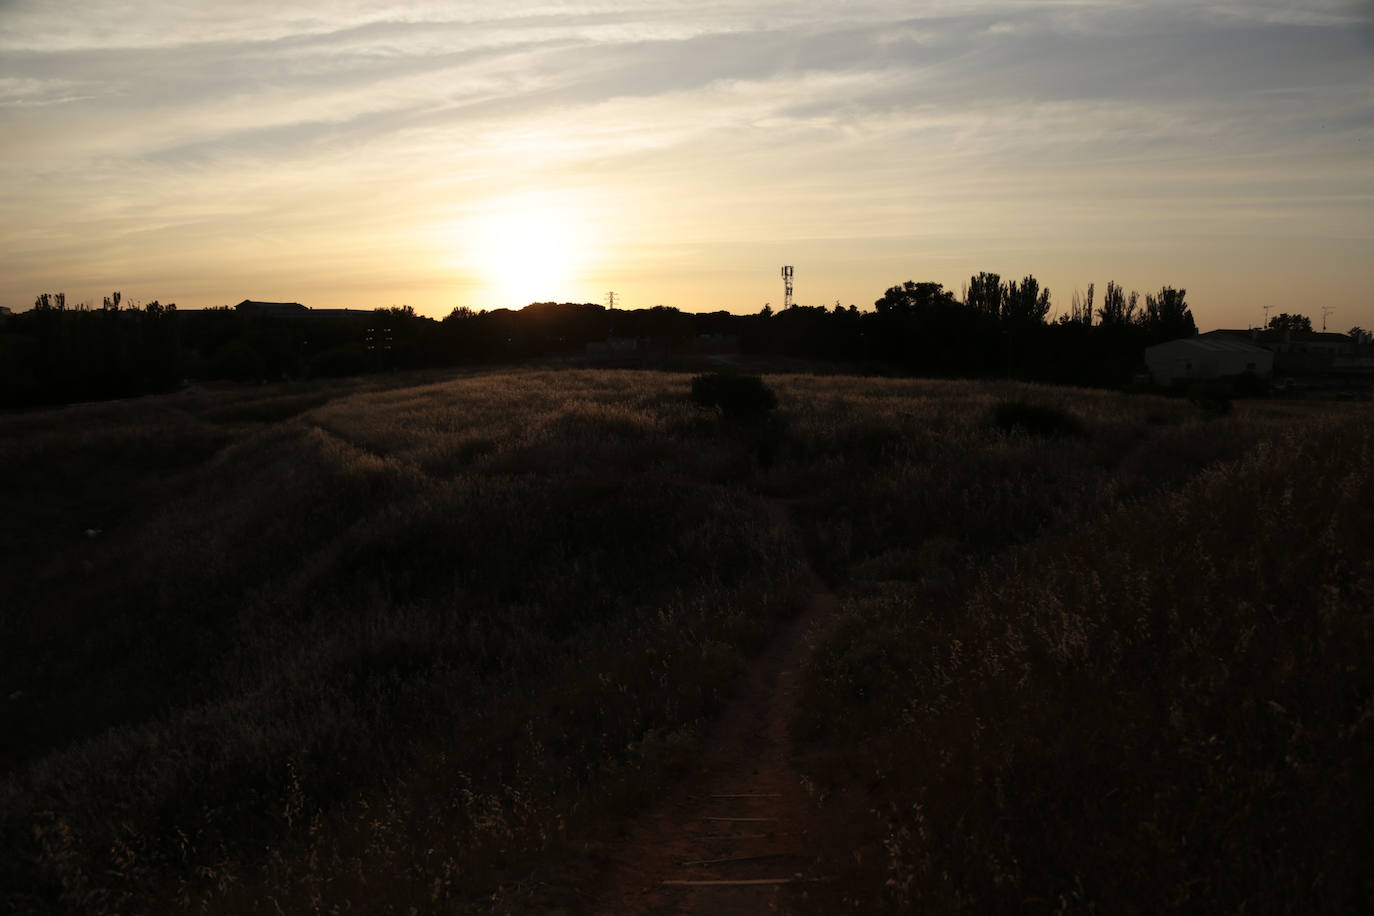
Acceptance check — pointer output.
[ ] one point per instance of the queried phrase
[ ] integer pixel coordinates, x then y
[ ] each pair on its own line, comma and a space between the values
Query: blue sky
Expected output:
487, 154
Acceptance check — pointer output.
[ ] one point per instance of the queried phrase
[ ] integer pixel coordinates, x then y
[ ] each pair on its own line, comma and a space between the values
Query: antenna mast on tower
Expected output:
787, 287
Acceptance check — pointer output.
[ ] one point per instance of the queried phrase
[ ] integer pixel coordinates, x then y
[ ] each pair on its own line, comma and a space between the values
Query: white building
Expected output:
1206, 356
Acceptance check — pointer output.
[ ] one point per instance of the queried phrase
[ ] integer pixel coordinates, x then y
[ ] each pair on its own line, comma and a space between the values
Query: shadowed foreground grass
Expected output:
414, 644
394, 638
1162, 703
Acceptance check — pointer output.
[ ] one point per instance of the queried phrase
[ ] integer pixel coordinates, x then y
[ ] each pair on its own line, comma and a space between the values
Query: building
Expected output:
271, 308
1207, 356
296, 310
1304, 352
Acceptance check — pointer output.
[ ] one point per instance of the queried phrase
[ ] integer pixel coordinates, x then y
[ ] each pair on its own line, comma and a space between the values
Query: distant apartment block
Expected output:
296, 310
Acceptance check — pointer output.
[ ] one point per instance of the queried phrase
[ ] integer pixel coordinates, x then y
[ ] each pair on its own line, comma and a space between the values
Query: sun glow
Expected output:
530, 247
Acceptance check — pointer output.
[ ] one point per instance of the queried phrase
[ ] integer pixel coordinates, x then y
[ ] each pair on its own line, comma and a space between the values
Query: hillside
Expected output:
437, 641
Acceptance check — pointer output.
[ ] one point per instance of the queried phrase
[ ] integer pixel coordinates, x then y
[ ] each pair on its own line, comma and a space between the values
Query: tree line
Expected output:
56, 353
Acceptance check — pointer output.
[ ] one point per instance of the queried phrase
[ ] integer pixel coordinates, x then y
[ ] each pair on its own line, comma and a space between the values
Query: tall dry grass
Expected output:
1123, 672
413, 644
370, 642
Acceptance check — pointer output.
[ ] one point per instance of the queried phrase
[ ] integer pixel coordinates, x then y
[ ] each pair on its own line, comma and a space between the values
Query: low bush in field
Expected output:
738, 397
1168, 709
1212, 398
1036, 419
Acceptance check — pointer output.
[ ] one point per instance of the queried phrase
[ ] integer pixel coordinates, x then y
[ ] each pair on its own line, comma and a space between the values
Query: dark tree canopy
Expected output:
1286, 322
1167, 315
1025, 303
1118, 309
914, 297
985, 293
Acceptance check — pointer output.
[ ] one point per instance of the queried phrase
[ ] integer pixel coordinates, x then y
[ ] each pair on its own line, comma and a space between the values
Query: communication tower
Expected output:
787, 286
1326, 310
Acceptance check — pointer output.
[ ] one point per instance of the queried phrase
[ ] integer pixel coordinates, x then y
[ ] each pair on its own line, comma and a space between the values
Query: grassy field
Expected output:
1114, 663
412, 643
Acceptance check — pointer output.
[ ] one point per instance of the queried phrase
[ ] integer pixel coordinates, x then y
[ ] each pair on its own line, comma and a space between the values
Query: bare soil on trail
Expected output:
742, 814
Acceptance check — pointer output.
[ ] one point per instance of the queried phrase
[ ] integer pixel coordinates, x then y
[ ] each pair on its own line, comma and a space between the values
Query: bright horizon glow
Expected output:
523, 246
483, 154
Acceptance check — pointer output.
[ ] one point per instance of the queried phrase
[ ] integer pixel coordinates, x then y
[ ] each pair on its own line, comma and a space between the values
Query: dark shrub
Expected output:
739, 397
1037, 419
1212, 397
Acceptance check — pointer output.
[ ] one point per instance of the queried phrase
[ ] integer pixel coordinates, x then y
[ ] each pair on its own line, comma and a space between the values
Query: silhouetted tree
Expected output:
985, 293
1167, 316
1118, 309
1080, 309
914, 297
1286, 322
1025, 303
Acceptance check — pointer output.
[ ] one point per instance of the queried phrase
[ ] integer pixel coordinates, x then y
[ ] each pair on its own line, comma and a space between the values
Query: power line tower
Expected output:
1326, 310
787, 287
1266, 315
610, 300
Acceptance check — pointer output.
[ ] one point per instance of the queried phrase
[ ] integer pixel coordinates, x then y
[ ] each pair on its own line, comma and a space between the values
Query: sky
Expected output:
359, 154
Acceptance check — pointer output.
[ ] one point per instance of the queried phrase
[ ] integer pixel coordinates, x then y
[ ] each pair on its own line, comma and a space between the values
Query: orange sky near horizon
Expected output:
488, 155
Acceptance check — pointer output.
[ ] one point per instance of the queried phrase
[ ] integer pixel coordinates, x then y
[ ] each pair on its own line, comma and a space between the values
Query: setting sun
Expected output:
530, 247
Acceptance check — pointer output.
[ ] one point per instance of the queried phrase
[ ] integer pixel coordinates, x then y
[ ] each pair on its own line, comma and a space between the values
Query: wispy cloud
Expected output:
19, 90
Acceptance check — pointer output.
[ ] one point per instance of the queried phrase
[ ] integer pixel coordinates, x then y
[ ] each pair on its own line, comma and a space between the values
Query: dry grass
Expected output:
393, 637
1150, 692
411, 644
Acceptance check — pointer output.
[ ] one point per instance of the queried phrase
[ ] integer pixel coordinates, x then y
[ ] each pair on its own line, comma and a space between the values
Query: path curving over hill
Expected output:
736, 832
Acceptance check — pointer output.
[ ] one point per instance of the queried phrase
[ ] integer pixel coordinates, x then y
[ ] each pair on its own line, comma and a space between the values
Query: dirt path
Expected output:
741, 816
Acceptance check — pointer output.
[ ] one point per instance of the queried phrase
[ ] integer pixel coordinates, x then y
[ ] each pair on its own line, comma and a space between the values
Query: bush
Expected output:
1037, 420
1212, 398
738, 397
